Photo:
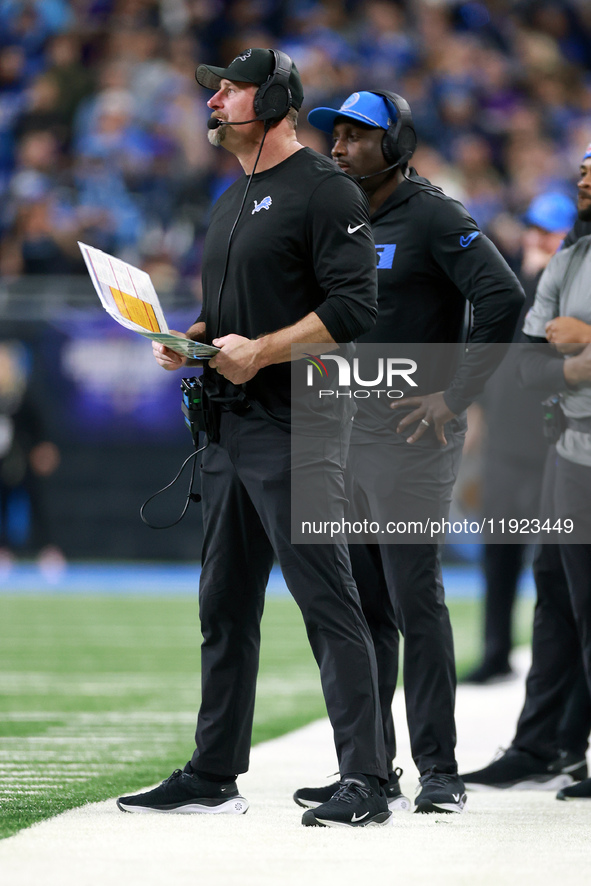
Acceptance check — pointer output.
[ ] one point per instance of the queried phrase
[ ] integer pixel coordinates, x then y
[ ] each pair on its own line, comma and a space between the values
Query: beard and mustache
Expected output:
215, 137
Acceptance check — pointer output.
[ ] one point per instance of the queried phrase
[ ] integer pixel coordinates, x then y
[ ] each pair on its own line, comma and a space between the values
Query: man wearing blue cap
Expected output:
553, 213
561, 315
431, 258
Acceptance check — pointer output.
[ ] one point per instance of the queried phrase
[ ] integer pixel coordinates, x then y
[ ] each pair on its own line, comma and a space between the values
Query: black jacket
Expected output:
302, 244
432, 257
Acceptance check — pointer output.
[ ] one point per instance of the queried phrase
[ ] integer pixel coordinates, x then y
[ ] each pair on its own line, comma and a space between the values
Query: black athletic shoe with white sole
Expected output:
515, 770
440, 792
353, 805
397, 802
310, 798
183, 792
579, 791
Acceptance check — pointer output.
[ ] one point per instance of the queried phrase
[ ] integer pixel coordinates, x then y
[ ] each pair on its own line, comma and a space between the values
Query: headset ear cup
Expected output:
400, 140
407, 143
399, 144
275, 96
389, 148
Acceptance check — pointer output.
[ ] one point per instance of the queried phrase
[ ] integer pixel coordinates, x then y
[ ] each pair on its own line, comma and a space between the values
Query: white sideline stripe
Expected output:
44, 779
70, 767
139, 717
503, 839
20, 682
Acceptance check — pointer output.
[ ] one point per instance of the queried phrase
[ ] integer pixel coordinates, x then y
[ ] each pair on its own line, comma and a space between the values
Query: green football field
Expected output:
98, 694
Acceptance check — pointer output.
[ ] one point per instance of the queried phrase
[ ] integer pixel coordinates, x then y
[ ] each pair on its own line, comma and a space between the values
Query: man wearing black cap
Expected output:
289, 258
431, 257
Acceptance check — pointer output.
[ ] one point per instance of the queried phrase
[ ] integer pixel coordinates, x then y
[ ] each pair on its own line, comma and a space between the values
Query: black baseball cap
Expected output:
251, 66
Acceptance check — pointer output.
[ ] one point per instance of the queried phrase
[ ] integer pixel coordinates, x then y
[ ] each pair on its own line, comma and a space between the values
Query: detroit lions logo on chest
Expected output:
385, 254
265, 203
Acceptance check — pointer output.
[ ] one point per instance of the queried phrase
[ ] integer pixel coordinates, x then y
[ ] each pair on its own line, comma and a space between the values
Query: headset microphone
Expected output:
361, 178
214, 122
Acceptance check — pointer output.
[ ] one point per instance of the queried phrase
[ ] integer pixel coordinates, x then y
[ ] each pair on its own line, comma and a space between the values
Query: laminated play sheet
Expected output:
128, 295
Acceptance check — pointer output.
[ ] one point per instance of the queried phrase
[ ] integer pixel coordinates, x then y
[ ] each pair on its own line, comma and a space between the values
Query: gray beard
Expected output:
215, 137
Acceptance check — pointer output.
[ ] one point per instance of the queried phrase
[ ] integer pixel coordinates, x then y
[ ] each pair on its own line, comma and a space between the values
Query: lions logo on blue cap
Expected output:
352, 100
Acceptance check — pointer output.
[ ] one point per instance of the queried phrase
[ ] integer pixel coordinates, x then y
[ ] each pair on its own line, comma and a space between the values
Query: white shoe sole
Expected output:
440, 807
234, 806
325, 823
399, 804
308, 804
553, 784
429, 808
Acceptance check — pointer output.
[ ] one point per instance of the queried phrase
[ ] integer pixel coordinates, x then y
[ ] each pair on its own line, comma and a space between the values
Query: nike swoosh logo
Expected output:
465, 241
359, 817
351, 230
573, 767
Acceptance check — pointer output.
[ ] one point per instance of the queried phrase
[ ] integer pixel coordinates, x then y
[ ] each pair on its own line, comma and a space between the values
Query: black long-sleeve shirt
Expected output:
302, 244
431, 258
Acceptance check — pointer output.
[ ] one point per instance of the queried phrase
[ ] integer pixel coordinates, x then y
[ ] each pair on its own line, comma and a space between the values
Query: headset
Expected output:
272, 100
271, 103
399, 144
400, 139
274, 95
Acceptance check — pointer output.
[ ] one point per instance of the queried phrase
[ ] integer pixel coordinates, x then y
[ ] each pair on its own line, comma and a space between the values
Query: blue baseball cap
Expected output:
362, 107
587, 152
552, 212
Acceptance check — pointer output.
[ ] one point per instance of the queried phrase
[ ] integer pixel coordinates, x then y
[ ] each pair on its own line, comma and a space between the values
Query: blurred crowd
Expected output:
103, 128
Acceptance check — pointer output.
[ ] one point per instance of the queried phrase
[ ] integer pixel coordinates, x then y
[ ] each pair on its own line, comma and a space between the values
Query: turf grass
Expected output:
98, 694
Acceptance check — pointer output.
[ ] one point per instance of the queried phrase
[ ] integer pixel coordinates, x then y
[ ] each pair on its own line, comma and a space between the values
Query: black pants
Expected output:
557, 709
503, 564
247, 501
401, 589
511, 488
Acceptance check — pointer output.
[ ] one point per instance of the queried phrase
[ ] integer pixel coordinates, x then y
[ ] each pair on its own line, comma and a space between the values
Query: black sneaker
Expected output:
353, 805
184, 792
397, 802
488, 673
310, 798
569, 763
579, 791
440, 792
516, 770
